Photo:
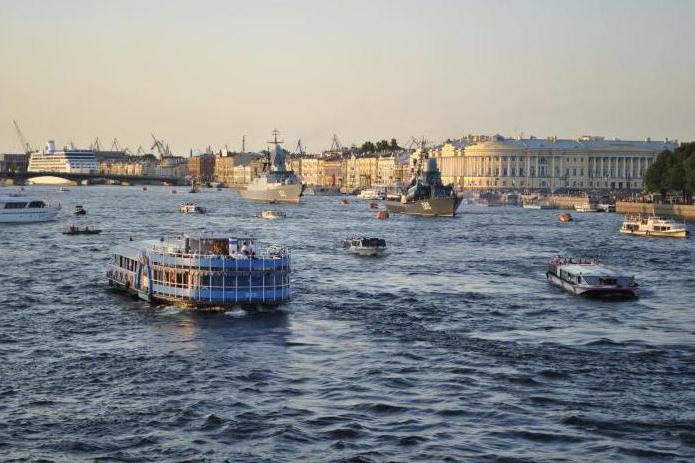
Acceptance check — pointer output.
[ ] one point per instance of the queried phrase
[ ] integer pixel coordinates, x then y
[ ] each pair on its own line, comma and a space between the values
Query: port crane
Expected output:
300, 150
335, 143
96, 144
25, 144
162, 148
115, 146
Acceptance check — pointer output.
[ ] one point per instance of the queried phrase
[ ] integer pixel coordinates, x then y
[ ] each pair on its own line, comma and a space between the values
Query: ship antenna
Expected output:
275, 137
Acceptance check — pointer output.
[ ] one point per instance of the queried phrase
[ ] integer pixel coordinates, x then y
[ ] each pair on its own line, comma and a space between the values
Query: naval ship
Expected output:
276, 185
426, 195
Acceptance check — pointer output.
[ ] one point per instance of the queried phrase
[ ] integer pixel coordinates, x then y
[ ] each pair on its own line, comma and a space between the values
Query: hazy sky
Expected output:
200, 73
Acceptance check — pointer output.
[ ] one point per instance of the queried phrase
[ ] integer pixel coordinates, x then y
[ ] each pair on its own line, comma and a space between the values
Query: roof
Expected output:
566, 144
591, 270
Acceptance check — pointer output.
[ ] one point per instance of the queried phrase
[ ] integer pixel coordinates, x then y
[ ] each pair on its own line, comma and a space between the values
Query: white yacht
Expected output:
538, 205
372, 194
364, 246
590, 278
651, 225
586, 207
16, 208
271, 214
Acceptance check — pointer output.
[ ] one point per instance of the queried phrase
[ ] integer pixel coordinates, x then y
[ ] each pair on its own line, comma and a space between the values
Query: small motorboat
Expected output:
364, 246
566, 218
192, 208
79, 210
173, 192
271, 214
587, 207
382, 215
62, 189
86, 230
344, 202
374, 205
144, 188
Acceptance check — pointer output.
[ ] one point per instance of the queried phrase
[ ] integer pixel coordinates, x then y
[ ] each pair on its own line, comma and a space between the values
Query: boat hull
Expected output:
600, 292
29, 216
289, 194
432, 207
655, 234
368, 252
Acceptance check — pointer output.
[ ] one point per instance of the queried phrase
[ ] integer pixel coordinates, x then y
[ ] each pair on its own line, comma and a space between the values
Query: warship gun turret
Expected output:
426, 195
277, 184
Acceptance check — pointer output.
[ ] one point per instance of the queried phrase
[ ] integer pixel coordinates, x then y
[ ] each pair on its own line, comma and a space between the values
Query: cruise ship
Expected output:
68, 160
202, 271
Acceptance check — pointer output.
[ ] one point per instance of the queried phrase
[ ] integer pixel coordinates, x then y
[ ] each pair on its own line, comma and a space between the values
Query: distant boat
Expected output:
79, 210
586, 208
271, 214
17, 208
364, 246
192, 208
75, 230
645, 225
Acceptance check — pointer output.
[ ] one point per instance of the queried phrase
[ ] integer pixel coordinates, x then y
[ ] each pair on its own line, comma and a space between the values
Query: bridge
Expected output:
95, 177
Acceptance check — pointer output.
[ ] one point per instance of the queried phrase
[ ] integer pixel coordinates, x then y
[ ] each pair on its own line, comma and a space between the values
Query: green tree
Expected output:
394, 145
654, 177
367, 147
382, 145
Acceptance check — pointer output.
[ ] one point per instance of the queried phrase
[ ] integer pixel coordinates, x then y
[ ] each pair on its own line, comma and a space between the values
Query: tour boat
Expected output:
586, 207
364, 246
192, 208
208, 270
15, 208
651, 225
372, 194
79, 210
271, 214
590, 278
75, 230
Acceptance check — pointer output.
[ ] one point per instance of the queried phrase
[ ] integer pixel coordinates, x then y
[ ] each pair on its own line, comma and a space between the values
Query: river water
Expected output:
452, 347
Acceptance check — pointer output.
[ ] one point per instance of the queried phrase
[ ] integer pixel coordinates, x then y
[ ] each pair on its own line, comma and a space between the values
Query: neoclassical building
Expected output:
551, 163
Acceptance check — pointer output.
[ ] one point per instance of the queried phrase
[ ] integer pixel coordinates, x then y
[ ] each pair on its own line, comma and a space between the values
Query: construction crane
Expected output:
412, 141
335, 143
140, 151
162, 148
25, 144
96, 144
299, 150
115, 146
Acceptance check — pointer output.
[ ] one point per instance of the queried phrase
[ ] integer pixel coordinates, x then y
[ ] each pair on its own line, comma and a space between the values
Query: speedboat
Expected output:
75, 230
16, 208
651, 225
605, 207
566, 218
364, 246
538, 205
191, 208
590, 278
79, 210
271, 214
372, 193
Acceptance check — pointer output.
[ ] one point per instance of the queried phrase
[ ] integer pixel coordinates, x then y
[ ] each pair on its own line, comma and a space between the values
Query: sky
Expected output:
207, 72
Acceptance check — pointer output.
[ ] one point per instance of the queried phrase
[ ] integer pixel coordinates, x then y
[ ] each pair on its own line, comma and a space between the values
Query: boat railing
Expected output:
270, 252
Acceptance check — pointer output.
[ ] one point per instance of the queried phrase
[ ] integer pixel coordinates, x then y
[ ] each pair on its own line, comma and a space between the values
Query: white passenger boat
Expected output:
605, 207
590, 278
271, 214
586, 207
651, 225
365, 246
538, 205
192, 208
16, 208
372, 194
202, 271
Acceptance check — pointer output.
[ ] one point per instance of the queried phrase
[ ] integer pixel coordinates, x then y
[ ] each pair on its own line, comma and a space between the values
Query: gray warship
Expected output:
276, 185
426, 195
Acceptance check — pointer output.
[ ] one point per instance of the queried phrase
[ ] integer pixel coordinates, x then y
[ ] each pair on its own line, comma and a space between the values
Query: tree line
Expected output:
380, 146
673, 171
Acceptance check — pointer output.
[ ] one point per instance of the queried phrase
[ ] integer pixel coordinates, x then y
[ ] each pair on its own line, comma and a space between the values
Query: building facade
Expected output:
11, 162
552, 163
202, 167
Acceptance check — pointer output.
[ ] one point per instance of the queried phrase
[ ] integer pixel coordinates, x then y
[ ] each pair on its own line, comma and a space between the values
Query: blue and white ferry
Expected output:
202, 271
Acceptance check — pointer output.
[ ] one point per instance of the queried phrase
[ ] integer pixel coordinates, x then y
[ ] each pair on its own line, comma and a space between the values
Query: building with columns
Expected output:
551, 163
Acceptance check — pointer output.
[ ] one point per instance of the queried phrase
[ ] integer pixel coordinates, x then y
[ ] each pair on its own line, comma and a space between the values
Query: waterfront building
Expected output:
169, 166
202, 167
67, 160
11, 162
125, 167
224, 168
586, 162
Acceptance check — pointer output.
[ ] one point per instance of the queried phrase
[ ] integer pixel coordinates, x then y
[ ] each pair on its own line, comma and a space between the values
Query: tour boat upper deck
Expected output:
204, 270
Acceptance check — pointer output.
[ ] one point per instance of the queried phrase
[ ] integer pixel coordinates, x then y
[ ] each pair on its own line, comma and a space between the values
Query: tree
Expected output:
382, 145
654, 177
394, 145
367, 147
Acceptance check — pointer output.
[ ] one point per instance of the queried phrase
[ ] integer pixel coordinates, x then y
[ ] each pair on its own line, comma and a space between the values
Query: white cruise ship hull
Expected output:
45, 214
274, 193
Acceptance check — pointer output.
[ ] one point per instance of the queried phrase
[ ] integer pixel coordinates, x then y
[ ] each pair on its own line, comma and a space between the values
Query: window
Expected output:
15, 205
37, 204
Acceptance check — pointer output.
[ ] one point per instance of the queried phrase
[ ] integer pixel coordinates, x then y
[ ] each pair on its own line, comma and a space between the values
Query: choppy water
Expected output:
451, 348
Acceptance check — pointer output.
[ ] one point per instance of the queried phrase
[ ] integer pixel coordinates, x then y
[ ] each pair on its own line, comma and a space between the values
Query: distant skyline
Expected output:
199, 73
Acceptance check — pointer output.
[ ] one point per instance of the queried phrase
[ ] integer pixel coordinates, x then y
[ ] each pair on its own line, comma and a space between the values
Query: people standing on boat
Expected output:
252, 250
244, 249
